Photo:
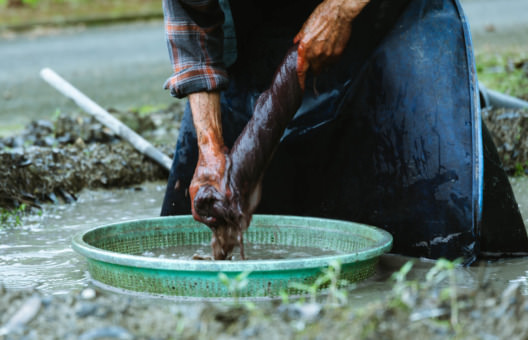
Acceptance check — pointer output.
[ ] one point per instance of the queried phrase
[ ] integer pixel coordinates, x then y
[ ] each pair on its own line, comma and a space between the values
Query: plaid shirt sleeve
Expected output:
194, 35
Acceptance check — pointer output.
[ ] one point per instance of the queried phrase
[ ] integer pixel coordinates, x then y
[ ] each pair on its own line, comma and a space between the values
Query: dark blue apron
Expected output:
390, 135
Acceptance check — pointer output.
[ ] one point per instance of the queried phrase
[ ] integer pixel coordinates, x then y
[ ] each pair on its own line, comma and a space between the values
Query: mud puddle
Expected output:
38, 254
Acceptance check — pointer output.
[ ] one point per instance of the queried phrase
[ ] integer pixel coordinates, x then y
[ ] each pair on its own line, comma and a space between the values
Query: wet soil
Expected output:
411, 310
52, 161
509, 130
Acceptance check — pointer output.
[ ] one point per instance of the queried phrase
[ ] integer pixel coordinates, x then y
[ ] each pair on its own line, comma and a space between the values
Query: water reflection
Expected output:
38, 254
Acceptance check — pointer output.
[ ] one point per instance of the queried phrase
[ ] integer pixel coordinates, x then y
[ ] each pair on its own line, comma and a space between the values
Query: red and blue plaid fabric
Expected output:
195, 41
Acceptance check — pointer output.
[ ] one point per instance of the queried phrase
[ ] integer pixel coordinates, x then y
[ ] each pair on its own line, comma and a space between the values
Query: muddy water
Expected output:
253, 252
38, 254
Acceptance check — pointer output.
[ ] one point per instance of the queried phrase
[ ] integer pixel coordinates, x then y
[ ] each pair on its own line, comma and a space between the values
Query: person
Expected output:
389, 130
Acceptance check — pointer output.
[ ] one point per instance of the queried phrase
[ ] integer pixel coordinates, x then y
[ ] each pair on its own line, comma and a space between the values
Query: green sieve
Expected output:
112, 259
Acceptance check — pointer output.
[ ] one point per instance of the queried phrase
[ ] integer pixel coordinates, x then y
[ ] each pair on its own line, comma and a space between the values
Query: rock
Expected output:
23, 316
487, 336
47, 301
85, 309
476, 314
109, 332
307, 311
88, 294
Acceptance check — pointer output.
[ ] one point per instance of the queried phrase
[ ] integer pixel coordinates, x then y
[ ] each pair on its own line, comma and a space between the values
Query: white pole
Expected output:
104, 117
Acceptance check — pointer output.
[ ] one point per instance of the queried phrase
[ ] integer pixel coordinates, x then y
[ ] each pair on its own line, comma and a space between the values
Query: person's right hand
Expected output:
209, 175
212, 158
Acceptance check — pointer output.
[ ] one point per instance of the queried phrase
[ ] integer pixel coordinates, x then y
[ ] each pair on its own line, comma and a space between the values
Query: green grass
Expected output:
504, 71
35, 12
7, 129
12, 217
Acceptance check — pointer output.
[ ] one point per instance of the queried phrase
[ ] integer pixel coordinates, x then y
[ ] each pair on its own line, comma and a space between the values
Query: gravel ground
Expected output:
427, 310
509, 130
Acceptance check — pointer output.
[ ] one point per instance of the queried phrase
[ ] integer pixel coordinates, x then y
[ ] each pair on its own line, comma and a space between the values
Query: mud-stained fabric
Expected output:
390, 135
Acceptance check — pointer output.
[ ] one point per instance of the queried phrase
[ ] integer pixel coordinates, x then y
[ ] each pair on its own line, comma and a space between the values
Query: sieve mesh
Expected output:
112, 255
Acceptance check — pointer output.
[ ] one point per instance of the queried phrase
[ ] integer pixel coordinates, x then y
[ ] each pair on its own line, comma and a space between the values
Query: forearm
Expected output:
351, 8
210, 169
206, 113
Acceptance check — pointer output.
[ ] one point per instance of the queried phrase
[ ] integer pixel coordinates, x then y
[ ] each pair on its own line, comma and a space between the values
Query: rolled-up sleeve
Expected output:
195, 42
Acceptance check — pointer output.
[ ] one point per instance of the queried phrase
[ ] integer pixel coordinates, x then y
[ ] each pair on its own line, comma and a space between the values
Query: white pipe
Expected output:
500, 100
104, 117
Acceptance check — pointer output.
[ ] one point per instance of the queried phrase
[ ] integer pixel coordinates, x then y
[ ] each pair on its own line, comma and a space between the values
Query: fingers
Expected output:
298, 37
302, 65
206, 200
323, 37
208, 205
209, 188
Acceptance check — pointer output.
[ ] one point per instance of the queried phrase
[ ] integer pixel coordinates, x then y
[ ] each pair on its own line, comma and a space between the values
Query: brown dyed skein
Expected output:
248, 159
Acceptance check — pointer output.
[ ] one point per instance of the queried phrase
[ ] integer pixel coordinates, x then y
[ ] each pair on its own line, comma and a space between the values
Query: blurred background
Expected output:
114, 51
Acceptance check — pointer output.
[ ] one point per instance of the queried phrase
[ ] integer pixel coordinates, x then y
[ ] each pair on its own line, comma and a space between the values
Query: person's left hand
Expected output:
325, 34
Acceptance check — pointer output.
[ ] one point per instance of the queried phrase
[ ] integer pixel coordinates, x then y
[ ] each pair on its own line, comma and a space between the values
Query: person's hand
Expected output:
212, 158
209, 175
325, 34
